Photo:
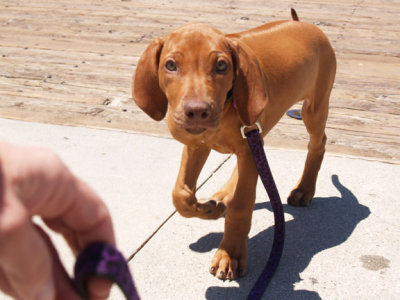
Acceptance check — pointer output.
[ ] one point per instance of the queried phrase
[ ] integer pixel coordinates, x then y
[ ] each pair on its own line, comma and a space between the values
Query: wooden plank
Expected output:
71, 62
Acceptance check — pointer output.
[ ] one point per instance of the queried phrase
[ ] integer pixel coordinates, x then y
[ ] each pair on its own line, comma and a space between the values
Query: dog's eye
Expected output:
222, 66
170, 65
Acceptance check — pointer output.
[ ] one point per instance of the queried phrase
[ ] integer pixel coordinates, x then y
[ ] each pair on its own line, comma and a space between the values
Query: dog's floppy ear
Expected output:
146, 91
249, 90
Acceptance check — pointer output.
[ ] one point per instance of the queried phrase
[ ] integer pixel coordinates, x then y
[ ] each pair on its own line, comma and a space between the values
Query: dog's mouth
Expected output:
195, 130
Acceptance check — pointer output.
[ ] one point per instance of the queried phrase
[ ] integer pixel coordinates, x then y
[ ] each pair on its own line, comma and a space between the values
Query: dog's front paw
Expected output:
187, 205
300, 197
210, 209
230, 264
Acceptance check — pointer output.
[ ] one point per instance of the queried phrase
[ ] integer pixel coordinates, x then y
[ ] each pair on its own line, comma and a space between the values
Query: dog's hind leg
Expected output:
314, 114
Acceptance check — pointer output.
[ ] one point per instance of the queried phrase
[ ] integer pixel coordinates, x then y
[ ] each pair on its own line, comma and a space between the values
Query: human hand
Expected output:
34, 181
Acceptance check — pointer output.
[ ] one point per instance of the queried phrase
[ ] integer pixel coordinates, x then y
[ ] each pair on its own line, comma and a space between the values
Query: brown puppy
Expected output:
212, 84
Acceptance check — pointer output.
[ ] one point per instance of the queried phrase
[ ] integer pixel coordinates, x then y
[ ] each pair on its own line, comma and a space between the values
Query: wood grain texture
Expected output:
71, 62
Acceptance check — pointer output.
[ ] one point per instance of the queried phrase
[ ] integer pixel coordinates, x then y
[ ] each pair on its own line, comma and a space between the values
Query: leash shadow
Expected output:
328, 222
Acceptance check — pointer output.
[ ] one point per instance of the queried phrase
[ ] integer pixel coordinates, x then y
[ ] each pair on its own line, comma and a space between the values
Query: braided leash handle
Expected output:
104, 260
260, 159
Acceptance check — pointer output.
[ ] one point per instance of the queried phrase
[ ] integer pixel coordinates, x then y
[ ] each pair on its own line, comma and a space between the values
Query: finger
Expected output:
24, 256
48, 189
99, 288
85, 221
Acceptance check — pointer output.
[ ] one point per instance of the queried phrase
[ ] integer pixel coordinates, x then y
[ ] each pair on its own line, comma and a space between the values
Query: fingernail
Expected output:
212, 270
47, 292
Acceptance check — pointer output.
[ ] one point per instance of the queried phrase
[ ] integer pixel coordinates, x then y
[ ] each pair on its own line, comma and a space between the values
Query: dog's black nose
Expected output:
197, 110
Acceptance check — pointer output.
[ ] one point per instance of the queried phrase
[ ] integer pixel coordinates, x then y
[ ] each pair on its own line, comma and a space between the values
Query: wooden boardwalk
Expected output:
71, 62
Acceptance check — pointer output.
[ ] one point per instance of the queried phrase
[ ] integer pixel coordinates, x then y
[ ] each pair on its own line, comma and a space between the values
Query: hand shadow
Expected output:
328, 222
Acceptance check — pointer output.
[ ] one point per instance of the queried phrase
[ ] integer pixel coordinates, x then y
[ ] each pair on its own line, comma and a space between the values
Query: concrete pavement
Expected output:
344, 246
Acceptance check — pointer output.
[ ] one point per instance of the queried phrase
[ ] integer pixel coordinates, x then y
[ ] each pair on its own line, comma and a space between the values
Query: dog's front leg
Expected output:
230, 260
183, 195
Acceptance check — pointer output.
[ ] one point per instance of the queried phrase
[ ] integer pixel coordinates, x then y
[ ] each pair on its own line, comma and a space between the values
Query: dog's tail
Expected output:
294, 15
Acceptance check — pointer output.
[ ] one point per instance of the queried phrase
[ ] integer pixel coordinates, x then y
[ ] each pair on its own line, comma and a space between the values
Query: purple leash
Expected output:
104, 260
256, 146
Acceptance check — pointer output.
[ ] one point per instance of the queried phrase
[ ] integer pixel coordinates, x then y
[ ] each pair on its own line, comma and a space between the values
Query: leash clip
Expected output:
252, 127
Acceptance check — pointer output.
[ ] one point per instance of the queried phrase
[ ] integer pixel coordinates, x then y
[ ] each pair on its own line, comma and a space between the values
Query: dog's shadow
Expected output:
328, 222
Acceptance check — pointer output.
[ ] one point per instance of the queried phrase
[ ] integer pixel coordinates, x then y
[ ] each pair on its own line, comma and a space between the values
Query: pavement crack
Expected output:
174, 212
151, 236
213, 172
